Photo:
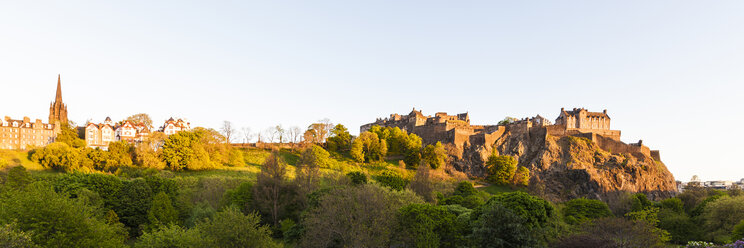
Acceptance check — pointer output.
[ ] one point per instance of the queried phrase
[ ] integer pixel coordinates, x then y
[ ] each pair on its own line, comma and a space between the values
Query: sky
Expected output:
668, 72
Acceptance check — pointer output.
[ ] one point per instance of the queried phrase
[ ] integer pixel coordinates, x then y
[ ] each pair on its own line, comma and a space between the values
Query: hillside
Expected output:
568, 167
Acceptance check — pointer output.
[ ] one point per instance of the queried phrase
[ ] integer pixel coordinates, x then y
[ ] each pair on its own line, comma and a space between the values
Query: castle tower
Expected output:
58, 110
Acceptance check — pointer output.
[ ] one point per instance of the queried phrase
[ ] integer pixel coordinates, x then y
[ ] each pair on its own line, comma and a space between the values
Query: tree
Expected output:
424, 225
498, 226
392, 179
230, 228
320, 130
247, 134
720, 217
268, 193
228, 131
501, 169
119, 155
507, 120
147, 154
612, 232
170, 236
340, 139
141, 118
18, 177
308, 169
133, 204
339, 220
368, 147
55, 220
13, 237
413, 151
162, 212
357, 177
577, 211
521, 177
422, 185
68, 135
294, 133
184, 150
59, 156
240, 197
357, 151
536, 211
280, 133
434, 155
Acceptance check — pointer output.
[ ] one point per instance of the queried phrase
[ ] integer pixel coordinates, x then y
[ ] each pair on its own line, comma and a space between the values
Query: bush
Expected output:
357, 177
579, 210
424, 225
434, 155
54, 220
498, 226
612, 232
534, 210
720, 217
501, 169
58, 156
170, 236
392, 180
13, 237
231, 228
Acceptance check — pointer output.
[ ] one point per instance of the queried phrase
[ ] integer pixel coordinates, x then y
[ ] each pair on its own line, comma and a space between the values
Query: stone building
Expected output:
57, 109
25, 134
457, 130
172, 126
100, 135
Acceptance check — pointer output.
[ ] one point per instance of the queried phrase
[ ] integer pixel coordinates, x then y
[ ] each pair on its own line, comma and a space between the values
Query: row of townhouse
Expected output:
25, 134
102, 134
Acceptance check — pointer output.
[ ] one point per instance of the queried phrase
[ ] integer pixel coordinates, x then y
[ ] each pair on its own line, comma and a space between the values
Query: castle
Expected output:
24, 134
457, 130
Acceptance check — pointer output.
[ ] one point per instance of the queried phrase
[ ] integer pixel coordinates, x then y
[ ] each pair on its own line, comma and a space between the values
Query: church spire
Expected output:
59, 89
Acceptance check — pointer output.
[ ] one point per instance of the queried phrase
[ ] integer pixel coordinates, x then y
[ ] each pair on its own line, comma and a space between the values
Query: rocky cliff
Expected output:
569, 167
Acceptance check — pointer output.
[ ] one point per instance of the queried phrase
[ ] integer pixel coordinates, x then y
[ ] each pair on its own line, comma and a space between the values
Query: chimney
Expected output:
604, 111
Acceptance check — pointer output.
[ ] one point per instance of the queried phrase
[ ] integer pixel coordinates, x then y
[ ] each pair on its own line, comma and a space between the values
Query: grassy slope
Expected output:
254, 158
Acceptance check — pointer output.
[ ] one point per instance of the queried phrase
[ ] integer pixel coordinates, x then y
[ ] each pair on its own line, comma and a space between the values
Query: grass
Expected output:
498, 189
19, 158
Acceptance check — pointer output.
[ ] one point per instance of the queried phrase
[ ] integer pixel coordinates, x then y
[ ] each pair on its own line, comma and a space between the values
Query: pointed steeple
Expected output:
58, 98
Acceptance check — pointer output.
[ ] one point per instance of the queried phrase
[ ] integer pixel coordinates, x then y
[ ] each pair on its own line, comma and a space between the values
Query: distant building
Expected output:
100, 135
172, 126
24, 134
57, 109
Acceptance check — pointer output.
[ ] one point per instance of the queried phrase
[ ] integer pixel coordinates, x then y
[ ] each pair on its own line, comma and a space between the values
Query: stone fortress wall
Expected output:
457, 130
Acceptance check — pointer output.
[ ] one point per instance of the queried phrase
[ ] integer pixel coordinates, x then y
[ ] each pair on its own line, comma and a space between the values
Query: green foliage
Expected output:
681, 227
673, 204
501, 169
59, 156
362, 216
650, 215
13, 237
184, 151
498, 226
240, 197
464, 189
424, 225
392, 179
412, 151
640, 202
68, 135
738, 232
434, 155
611, 232
534, 210
357, 177
340, 139
170, 236
700, 208
507, 120
18, 178
579, 210
231, 228
464, 195
133, 203
720, 217
54, 220
315, 155
368, 147
521, 177
162, 212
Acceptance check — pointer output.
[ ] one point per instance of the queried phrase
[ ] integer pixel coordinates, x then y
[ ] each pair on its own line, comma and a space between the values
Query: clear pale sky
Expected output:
668, 72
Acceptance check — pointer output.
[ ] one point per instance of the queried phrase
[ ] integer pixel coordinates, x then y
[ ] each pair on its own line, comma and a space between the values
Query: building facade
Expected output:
172, 126
25, 134
100, 135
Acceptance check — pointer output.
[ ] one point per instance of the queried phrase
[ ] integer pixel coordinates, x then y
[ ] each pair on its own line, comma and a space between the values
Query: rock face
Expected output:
568, 167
